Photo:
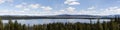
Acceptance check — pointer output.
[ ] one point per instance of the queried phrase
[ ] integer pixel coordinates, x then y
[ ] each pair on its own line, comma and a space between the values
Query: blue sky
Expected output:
55, 7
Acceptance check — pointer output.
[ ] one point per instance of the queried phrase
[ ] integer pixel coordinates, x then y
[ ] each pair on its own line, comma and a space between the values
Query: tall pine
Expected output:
1, 25
99, 25
11, 25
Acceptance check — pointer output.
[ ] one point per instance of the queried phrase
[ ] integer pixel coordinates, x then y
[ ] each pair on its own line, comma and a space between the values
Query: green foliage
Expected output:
1, 25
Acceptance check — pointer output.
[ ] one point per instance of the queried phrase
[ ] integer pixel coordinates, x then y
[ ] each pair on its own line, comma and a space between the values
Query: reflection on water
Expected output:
46, 21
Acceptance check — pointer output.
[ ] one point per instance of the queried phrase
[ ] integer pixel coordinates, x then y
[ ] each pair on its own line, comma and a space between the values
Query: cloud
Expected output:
4, 1
26, 6
22, 6
11, 12
25, 12
46, 8
19, 6
91, 8
35, 6
106, 11
72, 2
33, 9
26, 9
70, 9
87, 12
110, 11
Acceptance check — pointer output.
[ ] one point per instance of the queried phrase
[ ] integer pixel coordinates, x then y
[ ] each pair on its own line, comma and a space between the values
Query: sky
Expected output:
56, 7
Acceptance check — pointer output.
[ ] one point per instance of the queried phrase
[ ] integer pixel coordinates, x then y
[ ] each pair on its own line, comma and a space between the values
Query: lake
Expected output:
46, 21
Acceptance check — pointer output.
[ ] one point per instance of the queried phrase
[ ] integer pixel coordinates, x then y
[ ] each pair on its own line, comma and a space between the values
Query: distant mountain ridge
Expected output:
64, 16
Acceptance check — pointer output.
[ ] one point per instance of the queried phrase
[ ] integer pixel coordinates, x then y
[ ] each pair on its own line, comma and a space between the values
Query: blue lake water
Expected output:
46, 21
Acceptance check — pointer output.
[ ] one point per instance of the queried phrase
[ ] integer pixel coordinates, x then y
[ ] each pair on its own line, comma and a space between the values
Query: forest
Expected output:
112, 25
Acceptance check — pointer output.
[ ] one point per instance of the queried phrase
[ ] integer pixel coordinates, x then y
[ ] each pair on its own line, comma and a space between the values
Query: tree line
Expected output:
112, 25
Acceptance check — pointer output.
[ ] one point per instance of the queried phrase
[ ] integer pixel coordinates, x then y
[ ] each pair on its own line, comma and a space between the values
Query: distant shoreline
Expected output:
53, 17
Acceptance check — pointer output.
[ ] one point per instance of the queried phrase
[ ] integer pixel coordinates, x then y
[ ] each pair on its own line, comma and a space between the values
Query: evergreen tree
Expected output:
105, 26
10, 25
24, 27
99, 25
16, 25
1, 25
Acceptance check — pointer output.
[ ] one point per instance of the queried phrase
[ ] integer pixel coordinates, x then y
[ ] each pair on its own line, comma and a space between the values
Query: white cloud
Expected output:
110, 11
107, 11
23, 12
4, 1
18, 12
72, 2
35, 6
87, 12
19, 6
30, 9
26, 9
28, 6
70, 9
60, 12
46, 8
25, 6
22, 5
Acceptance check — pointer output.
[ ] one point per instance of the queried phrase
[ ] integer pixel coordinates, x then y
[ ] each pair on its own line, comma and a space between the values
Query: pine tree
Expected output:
16, 25
24, 27
105, 26
114, 25
19, 26
99, 25
1, 25
91, 24
11, 25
